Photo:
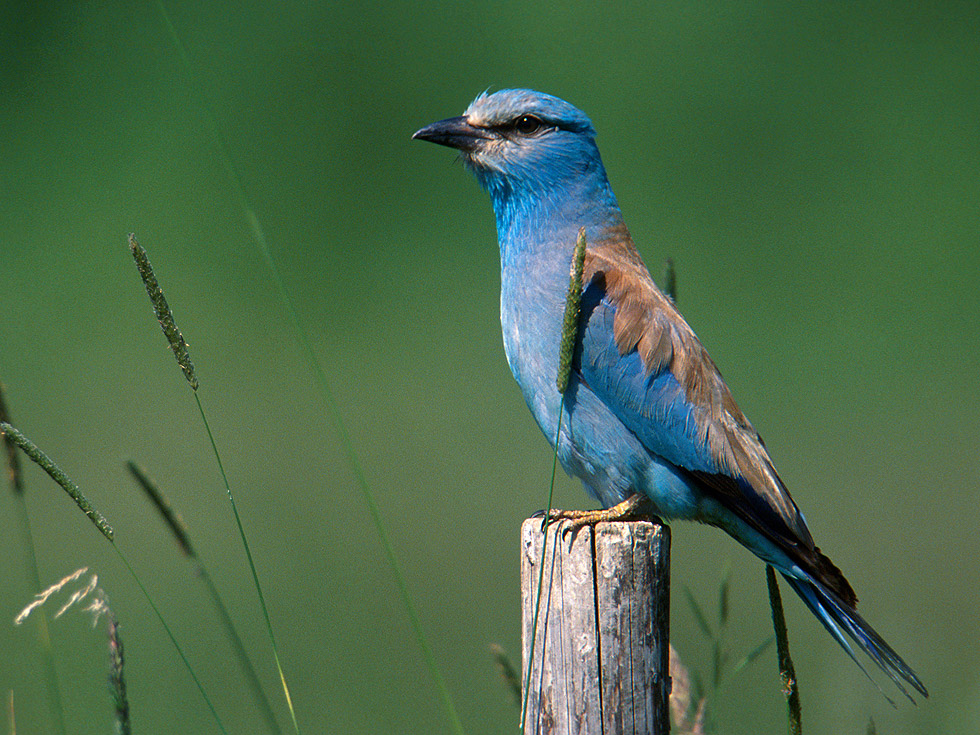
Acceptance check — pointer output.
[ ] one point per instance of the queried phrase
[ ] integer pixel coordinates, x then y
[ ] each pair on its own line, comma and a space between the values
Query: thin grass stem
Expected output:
507, 672
750, 657
173, 638
179, 348
720, 655
791, 688
251, 563
51, 682
302, 337
117, 680
699, 617
182, 536
166, 510
670, 279
566, 352
544, 548
10, 450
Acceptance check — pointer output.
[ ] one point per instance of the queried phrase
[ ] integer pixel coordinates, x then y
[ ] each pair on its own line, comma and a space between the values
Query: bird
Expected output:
647, 422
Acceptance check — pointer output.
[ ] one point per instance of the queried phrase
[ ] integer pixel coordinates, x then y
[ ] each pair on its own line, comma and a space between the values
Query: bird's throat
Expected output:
542, 227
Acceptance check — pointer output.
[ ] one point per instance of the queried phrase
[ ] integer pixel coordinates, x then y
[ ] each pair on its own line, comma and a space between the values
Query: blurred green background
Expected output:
812, 168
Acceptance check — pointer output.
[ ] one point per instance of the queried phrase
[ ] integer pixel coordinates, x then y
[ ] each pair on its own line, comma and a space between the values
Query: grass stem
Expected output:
179, 348
117, 681
54, 472
544, 548
51, 682
173, 638
566, 352
251, 563
511, 679
791, 688
182, 536
10, 449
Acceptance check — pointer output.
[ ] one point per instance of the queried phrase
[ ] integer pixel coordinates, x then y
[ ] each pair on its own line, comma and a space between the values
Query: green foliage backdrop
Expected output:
812, 168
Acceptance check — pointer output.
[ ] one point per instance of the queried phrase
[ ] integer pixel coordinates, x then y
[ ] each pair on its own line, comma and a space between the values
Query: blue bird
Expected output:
648, 422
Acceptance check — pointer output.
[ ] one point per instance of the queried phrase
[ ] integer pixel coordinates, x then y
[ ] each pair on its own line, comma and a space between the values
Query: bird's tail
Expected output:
838, 617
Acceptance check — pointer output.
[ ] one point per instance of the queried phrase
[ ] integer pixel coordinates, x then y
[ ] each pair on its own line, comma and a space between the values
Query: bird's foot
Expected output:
630, 509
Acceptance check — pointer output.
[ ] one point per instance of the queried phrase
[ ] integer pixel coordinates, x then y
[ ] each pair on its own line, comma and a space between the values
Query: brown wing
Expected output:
647, 321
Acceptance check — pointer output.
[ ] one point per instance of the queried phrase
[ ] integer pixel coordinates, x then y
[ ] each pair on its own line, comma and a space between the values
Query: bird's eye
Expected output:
527, 124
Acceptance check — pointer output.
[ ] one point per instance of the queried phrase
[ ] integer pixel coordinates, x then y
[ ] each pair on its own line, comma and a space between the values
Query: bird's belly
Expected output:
594, 445
613, 463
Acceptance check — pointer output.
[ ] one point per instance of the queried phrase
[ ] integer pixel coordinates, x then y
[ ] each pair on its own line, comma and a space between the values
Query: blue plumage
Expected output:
646, 410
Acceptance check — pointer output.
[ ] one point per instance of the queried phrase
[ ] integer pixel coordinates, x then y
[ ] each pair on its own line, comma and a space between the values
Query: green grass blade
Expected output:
670, 279
173, 638
724, 595
699, 617
544, 549
251, 563
507, 672
51, 681
751, 656
182, 536
720, 654
179, 347
14, 473
166, 510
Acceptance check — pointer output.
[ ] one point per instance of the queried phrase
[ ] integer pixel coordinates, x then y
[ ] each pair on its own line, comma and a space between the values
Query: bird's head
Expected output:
519, 140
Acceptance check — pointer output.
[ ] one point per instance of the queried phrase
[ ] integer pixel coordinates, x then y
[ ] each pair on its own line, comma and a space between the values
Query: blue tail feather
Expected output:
838, 618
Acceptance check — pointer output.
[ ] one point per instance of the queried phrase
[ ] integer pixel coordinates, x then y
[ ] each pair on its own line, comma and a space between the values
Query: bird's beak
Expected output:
456, 132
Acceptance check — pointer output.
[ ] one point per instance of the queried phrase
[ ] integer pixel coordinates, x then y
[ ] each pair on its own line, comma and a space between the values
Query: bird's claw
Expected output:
629, 509
555, 516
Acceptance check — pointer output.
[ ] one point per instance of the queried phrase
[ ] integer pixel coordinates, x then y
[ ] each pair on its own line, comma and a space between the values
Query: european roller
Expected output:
648, 422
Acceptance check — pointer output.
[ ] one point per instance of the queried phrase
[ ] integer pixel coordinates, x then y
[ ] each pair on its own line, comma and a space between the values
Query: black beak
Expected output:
455, 132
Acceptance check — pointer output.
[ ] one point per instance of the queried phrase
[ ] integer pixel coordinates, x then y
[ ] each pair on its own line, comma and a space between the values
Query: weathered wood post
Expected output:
600, 652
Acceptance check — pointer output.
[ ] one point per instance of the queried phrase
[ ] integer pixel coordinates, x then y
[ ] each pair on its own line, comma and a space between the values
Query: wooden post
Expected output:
600, 652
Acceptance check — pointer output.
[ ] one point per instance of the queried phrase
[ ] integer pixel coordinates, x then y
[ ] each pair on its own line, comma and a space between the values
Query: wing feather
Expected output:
641, 357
